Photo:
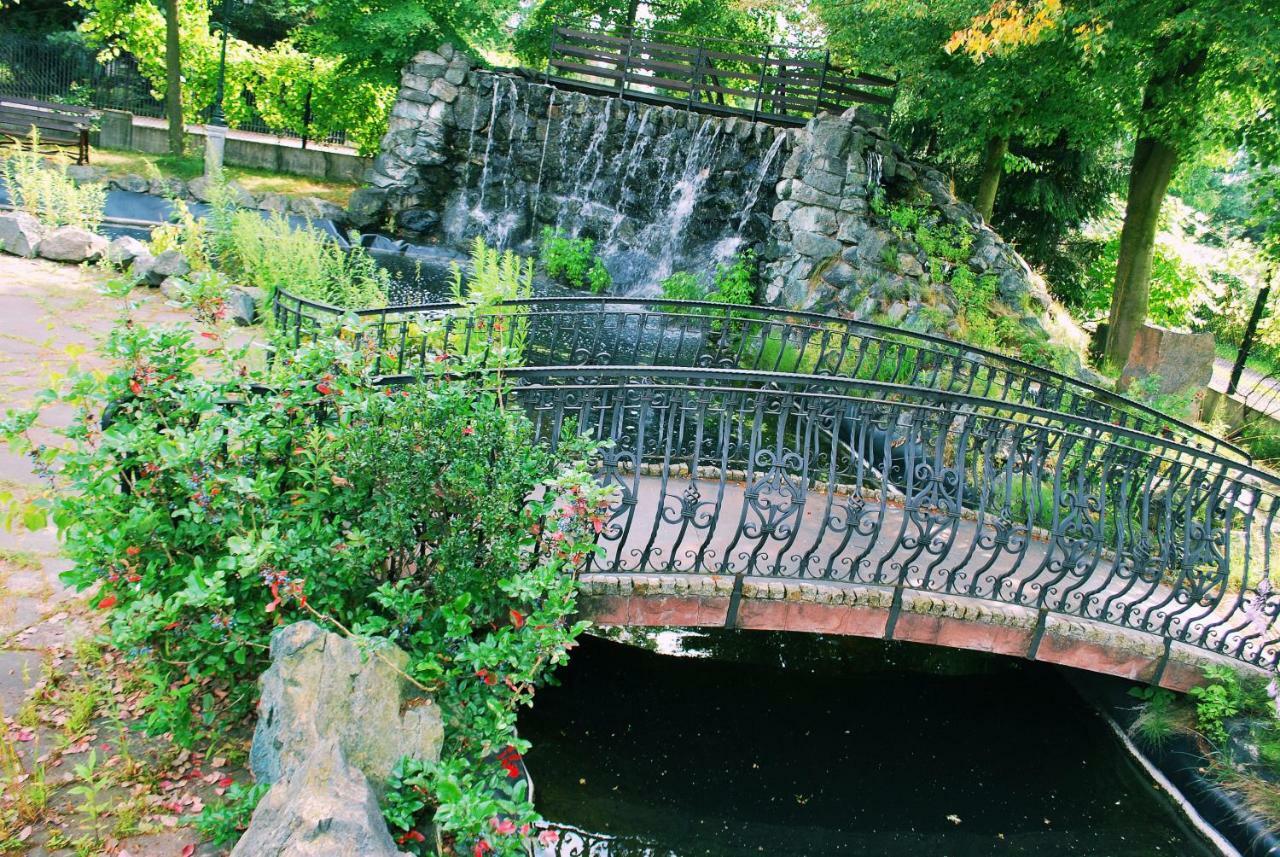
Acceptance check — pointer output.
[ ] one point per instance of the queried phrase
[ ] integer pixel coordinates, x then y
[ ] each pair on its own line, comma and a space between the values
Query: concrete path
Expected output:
1258, 391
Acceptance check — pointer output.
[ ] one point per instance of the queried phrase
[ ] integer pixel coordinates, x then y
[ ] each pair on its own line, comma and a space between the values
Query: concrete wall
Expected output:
120, 130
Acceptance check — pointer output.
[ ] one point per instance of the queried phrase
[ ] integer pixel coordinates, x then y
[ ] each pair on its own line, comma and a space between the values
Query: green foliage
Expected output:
1262, 440
573, 262
735, 283
270, 253
1223, 697
208, 503
276, 79
43, 189
1174, 287
1157, 723
683, 286
222, 823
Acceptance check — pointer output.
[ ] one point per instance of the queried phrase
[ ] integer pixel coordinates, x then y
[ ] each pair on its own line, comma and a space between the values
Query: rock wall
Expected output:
660, 190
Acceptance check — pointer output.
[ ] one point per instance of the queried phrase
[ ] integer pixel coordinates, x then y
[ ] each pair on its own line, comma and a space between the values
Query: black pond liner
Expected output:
1181, 761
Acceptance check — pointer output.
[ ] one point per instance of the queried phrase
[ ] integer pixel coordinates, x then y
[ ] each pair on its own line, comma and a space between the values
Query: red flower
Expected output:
107, 603
135, 388
466, 430
505, 826
133, 550
517, 618
482, 848
488, 677
411, 836
549, 837
323, 389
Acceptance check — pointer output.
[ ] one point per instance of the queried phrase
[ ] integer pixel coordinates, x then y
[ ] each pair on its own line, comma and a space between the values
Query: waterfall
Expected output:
685, 195
753, 193
488, 147
511, 148
875, 171
633, 159
542, 159
471, 147
579, 192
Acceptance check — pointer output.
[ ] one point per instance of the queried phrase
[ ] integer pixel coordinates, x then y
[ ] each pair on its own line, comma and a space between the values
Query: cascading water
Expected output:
657, 189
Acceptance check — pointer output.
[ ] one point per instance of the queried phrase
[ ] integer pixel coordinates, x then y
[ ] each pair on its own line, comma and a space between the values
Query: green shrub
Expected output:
218, 503
42, 189
682, 286
735, 283
271, 253
572, 261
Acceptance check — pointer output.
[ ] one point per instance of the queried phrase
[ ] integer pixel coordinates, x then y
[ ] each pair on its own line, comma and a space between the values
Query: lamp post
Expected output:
215, 139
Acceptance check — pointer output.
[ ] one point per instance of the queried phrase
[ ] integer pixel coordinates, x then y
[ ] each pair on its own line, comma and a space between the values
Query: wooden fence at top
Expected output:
781, 84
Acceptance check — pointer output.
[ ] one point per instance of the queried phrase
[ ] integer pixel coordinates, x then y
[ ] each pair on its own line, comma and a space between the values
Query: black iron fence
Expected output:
70, 73
600, 331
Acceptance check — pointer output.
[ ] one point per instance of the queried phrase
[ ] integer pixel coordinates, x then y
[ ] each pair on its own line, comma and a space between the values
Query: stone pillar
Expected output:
215, 142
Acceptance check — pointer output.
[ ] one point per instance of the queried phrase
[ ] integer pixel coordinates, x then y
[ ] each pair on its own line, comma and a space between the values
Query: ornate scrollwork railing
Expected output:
938, 472
601, 331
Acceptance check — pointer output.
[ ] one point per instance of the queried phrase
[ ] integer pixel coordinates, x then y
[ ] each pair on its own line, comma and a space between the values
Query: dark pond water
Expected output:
757, 743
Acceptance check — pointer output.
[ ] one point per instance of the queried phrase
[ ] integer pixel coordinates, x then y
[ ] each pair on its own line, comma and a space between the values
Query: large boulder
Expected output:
367, 207
1181, 361
124, 250
72, 244
203, 189
314, 208
324, 687
324, 807
20, 233
155, 270
242, 305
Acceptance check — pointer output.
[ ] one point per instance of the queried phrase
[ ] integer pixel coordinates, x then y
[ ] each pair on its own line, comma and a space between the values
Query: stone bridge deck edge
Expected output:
953, 621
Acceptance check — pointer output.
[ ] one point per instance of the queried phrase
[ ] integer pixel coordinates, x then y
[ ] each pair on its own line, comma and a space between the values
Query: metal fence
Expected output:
73, 74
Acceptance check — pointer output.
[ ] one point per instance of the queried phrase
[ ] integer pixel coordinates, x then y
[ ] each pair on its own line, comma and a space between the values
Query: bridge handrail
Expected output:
293, 313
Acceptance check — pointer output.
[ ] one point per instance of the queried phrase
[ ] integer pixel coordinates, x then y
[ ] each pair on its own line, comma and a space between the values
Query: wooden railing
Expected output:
776, 83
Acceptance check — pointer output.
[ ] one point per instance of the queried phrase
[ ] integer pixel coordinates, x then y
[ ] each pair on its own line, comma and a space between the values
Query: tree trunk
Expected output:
989, 181
1149, 173
173, 78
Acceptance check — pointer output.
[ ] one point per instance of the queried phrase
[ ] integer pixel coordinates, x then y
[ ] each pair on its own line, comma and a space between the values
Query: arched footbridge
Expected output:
792, 471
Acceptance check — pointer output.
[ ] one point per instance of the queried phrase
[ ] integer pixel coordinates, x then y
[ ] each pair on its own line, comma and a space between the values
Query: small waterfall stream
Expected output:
659, 190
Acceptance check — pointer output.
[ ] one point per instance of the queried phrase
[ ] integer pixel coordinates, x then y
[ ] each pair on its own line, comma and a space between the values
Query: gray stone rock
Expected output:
1183, 361
896, 312
122, 251
174, 289
171, 188
132, 183
274, 202
324, 807
367, 207
908, 264
457, 71
242, 307
444, 90
203, 189
813, 218
814, 245
320, 687
85, 174
155, 270
314, 208
72, 244
20, 233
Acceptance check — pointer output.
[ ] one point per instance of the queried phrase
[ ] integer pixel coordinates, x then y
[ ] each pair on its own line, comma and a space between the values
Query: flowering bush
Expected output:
204, 503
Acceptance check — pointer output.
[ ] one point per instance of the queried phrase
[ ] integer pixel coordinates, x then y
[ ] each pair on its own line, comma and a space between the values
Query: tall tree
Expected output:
173, 78
1202, 70
969, 111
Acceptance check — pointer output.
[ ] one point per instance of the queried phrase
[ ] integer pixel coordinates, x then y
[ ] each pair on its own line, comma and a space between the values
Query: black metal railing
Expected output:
573, 331
962, 474
775, 83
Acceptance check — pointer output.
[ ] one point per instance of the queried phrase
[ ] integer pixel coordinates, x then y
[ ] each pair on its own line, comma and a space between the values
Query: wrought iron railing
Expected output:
966, 475
578, 331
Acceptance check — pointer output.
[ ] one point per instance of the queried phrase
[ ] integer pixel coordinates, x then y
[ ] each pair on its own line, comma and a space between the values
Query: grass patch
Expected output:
257, 182
25, 560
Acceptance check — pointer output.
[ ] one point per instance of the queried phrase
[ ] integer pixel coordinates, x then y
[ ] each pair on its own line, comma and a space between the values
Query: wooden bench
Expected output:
60, 126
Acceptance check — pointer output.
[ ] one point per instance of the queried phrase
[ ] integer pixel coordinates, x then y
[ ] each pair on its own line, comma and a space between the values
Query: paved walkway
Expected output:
51, 315
1258, 391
